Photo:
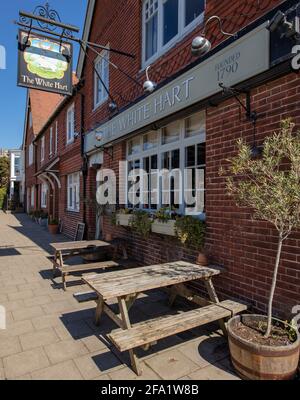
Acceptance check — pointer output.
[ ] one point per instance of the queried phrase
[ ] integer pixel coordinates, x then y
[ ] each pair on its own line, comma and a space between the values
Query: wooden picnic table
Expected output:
64, 250
127, 285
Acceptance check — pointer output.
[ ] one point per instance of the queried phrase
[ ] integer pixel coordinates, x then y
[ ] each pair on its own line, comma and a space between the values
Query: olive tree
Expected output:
270, 186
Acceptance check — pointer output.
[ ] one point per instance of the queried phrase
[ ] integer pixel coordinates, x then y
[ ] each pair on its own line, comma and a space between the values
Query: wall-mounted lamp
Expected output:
288, 29
200, 44
112, 106
149, 86
98, 136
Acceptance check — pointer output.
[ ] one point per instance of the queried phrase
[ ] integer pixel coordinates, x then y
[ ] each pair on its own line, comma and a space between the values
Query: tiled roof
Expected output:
42, 106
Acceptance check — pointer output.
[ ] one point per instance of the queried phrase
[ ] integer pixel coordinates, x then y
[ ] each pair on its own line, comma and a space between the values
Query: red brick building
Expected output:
188, 121
39, 107
188, 86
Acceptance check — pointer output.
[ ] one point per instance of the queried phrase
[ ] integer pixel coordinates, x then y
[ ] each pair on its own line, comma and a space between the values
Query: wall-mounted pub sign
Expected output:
44, 63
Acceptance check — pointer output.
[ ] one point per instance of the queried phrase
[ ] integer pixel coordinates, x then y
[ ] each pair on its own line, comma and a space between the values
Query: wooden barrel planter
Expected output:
254, 361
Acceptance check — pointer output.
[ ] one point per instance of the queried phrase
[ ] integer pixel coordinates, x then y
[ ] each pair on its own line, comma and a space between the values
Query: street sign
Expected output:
44, 63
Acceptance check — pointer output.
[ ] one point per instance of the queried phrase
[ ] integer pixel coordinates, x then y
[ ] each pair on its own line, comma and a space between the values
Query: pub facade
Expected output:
242, 86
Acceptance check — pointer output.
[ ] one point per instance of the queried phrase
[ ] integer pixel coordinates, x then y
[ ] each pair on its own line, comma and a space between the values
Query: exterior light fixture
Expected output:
112, 106
149, 86
200, 44
99, 136
288, 29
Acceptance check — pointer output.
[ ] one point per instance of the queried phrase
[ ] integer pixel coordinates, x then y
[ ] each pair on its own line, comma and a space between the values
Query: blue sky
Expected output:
13, 98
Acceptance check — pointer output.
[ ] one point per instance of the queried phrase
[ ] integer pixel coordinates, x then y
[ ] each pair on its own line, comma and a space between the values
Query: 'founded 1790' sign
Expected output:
44, 63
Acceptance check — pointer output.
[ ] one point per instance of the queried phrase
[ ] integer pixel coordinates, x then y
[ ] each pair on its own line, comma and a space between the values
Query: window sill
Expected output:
71, 210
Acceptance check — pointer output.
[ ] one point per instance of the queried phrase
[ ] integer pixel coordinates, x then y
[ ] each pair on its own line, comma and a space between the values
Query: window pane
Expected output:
151, 36
193, 8
201, 154
171, 133
170, 28
150, 141
175, 159
194, 125
190, 160
134, 146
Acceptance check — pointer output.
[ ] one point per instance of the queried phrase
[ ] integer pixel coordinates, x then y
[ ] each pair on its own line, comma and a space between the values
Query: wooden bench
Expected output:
66, 269
149, 332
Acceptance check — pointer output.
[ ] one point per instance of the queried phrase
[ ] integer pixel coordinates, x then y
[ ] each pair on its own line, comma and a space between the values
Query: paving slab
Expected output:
62, 371
25, 362
38, 339
171, 364
65, 350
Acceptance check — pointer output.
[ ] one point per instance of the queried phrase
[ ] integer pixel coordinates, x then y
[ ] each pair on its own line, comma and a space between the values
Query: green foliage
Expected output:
4, 171
124, 211
270, 185
164, 214
141, 223
53, 221
3, 193
190, 231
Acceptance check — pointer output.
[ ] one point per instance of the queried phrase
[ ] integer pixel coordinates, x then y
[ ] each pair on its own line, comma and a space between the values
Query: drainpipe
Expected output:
84, 167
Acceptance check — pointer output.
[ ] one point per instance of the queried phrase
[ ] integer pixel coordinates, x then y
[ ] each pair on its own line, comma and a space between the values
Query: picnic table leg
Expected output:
214, 297
54, 263
127, 325
99, 310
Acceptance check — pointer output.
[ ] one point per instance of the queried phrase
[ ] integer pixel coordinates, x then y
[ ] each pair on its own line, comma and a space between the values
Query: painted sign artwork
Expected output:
44, 63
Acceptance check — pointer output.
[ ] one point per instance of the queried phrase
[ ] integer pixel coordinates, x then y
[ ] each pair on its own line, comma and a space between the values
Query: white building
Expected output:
16, 191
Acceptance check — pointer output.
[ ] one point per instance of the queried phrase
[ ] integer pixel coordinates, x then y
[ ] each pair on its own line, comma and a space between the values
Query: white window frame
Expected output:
182, 30
30, 154
73, 192
43, 148
70, 131
51, 141
44, 194
32, 196
99, 63
182, 143
56, 138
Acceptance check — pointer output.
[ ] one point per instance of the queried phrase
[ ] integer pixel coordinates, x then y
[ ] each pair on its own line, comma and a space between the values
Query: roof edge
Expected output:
85, 36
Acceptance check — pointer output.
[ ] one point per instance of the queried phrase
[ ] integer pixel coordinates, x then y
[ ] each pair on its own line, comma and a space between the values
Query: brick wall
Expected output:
245, 247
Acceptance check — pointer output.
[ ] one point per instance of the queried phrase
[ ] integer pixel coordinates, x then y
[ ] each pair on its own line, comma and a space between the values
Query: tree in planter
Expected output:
270, 185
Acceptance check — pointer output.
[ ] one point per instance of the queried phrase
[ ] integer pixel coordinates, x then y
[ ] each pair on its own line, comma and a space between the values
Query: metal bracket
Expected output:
251, 115
106, 150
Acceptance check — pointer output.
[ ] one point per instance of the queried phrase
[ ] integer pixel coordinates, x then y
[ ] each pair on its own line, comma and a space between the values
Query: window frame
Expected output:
30, 154
44, 195
42, 148
105, 96
182, 143
70, 134
74, 186
182, 30
56, 138
51, 141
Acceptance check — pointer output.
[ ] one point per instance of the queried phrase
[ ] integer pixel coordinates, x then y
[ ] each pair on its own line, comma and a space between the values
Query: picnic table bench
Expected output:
65, 250
126, 285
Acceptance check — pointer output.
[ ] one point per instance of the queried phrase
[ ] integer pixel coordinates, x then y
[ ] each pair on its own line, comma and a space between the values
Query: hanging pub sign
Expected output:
44, 63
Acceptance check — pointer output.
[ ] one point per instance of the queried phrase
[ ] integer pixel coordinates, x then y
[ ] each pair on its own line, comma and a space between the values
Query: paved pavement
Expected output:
49, 335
